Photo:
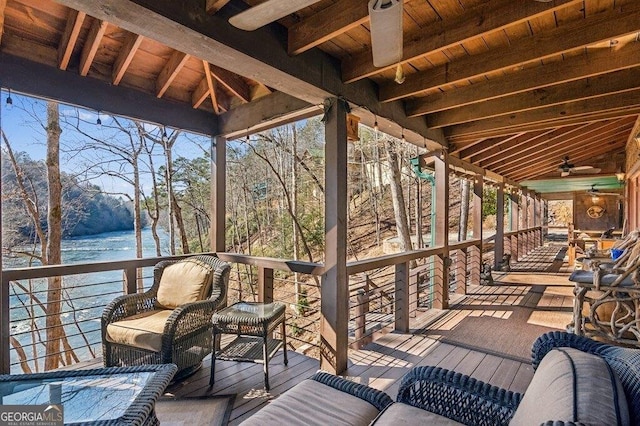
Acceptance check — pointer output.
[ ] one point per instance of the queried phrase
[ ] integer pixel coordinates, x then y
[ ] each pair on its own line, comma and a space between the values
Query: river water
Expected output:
85, 296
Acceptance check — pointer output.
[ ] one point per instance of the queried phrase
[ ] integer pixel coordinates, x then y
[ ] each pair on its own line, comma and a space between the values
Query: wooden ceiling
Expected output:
512, 86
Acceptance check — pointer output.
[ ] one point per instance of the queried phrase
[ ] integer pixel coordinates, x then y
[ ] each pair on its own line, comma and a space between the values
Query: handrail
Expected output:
300, 266
391, 259
83, 268
460, 245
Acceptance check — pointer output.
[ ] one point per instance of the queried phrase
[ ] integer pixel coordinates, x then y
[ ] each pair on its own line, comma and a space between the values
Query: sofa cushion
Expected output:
315, 404
184, 282
398, 414
142, 331
573, 386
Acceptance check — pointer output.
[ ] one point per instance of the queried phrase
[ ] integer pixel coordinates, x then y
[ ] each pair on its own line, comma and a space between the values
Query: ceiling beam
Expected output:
210, 86
553, 154
213, 6
555, 112
608, 146
69, 37
607, 84
590, 118
590, 30
267, 112
3, 6
98, 27
259, 55
435, 37
233, 82
487, 147
591, 63
562, 136
170, 71
98, 95
127, 52
326, 24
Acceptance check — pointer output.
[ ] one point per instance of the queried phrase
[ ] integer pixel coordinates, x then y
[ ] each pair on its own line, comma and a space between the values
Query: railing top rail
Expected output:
391, 259
300, 266
464, 244
84, 268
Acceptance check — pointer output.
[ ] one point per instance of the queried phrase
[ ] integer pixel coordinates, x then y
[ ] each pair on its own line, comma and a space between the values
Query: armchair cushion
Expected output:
399, 414
573, 386
143, 330
314, 404
184, 282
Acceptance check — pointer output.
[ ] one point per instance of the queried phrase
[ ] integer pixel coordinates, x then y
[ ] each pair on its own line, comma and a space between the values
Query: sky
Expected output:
22, 124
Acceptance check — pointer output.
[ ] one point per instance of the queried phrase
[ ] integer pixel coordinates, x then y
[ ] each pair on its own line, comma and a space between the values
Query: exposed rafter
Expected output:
212, 6
593, 29
170, 71
69, 37
211, 86
330, 22
472, 23
616, 82
232, 82
556, 112
128, 51
592, 63
3, 5
91, 45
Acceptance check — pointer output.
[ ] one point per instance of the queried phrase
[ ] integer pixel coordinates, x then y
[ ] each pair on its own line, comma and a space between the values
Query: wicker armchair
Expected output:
171, 322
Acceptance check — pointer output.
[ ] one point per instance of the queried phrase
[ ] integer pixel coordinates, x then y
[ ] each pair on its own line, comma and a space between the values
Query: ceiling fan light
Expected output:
386, 31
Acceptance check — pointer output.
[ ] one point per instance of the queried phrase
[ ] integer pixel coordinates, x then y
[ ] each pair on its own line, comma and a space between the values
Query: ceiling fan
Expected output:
594, 192
566, 168
385, 18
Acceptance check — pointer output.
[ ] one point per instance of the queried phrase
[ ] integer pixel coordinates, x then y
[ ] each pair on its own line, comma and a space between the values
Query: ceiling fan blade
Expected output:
583, 167
591, 171
267, 12
385, 19
564, 173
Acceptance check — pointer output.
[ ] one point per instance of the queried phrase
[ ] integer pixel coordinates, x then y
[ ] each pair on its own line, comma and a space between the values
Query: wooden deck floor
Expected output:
523, 304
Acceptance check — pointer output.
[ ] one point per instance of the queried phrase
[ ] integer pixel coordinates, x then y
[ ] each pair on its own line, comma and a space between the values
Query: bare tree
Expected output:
399, 206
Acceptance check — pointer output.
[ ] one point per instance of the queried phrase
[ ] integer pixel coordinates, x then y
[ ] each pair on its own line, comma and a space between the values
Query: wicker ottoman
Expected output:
253, 324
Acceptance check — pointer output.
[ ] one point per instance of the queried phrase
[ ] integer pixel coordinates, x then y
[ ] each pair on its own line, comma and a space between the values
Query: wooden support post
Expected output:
362, 307
265, 284
475, 252
218, 192
334, 290
441, 229
402, 297
460, 270
498, 251
514, 225
130, 279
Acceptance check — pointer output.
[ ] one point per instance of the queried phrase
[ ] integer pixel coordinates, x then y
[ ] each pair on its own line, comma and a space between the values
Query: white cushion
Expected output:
573, 386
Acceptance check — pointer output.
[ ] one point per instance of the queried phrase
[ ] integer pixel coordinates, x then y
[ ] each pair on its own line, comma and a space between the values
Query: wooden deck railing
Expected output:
385, 291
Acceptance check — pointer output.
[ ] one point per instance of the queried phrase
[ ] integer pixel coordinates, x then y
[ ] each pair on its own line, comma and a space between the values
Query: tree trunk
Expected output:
464, 209
294, 207
54, 232
399, 207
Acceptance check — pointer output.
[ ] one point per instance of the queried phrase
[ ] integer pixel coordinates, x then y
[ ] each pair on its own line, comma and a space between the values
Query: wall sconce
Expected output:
620, 176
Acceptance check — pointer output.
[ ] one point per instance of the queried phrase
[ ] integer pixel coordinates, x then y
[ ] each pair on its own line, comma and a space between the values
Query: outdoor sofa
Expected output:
577, 381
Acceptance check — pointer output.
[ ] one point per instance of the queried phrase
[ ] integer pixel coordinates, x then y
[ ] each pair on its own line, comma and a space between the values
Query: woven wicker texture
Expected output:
458, 397
187, 336
378, 399
625, 362
140, 411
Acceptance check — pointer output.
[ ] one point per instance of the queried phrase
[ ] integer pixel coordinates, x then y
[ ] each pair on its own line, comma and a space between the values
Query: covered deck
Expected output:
498, 93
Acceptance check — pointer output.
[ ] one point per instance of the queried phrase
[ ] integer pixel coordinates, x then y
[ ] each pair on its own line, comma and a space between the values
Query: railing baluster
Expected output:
402, 297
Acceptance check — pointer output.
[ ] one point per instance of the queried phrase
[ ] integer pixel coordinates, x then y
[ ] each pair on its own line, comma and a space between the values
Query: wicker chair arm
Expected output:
560, 339
189, 318
126, 306
377, 398
457, 396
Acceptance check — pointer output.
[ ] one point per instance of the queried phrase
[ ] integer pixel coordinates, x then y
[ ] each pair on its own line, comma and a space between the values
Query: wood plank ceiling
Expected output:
515, 85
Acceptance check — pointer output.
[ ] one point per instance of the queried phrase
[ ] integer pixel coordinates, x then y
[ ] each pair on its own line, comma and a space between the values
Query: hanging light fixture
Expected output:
402, 136
385, 18
165, 138
375, 123
9, 101
98, 121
